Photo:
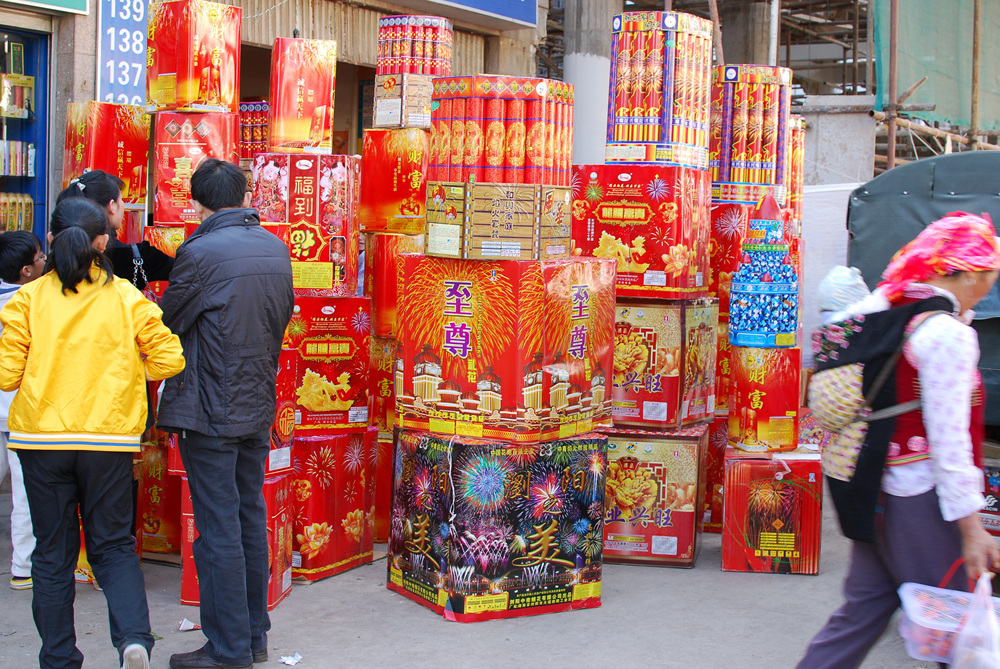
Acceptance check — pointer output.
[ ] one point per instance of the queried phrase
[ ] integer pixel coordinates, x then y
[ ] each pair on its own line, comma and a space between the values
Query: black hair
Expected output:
218, 184
96, 185
17, 249
75, 223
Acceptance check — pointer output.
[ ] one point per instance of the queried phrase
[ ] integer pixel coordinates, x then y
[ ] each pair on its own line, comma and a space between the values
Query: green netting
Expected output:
935, 40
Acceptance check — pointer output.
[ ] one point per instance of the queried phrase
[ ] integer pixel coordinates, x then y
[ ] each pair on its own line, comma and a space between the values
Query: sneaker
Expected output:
20, 583
135, 657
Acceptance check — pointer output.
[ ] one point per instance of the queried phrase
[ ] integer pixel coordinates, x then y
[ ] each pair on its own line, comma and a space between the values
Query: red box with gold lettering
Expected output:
303, 79
382, 252
109, 137
394, 180
279, 460
181, 143
764, 398
159, 499
715, 473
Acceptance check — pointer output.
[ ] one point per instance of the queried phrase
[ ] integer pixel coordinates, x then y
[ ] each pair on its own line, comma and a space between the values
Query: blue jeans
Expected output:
226, 476
100, 485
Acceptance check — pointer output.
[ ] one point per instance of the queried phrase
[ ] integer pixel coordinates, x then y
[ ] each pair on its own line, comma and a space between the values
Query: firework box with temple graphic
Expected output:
497, 221
516, 350
109, 137
332, 491
394, 180
382, 251
655, 496
485, 529
773, 512
653, 220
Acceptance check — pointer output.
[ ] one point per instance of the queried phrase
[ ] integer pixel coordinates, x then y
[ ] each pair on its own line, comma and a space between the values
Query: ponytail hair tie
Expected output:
79, 184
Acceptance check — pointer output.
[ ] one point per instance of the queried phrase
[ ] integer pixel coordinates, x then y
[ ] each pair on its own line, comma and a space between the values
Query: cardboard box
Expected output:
303, 80
193, 56
382, 250
652, 219
159, 498
180, 143
655, 496
403, 100
514, 350
498, 221
715, 473
311, 203
334, 504
383, 391
279, 460
764, 398
113, 138
394, 180
773, 512
475, 522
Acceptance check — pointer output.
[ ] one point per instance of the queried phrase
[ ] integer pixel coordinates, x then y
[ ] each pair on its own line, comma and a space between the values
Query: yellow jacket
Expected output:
77, 362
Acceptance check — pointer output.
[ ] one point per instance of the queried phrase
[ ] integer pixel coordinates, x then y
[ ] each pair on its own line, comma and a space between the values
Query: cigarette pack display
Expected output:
764, 398
485, 529
17, 95
180, 143
333, 503
498, 221
16, 212
403, 100
653, 220
655, 495
414, 44
394, 180
773, 512
113, 138
332, 339
382, 251
303, 79
715, 473
159, 499
514, 350
990, 515
193, 56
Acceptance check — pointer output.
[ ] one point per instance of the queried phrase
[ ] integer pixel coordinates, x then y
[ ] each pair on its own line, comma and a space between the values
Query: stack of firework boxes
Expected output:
764, 493
647, 208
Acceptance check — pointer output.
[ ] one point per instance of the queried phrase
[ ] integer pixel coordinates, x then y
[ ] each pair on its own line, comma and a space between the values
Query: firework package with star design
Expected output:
382, 251
193, 56
516, 350
303, 81
653, 220
394, 180
773, 512
333, 504
658, 98
484, 529
92, 128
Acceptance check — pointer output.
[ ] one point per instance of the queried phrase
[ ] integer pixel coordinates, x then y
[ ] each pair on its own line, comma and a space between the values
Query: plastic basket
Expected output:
932, 618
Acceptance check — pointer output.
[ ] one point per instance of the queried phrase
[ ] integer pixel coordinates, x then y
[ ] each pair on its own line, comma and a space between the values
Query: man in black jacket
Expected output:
229, 300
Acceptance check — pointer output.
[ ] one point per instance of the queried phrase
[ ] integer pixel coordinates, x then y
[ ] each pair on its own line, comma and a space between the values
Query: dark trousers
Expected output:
915, 545
100, 485
226, 476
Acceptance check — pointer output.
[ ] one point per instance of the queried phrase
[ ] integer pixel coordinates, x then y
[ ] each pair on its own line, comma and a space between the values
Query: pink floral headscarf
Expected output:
959, 242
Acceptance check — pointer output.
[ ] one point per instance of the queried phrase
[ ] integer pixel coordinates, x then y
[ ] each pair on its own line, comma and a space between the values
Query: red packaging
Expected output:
382, 251
279, 460
166, 238
535, 129
303, 79
441, 121
113, 138
639, 88
456, 152
715, 473
193, 56
495, 115
723, 368
383, 489
190, 595
764, 398
514, 144
475, 140
550, 140
773, 512
159, 498
382, 386
730, 225
394, 180
331, 336
181, 143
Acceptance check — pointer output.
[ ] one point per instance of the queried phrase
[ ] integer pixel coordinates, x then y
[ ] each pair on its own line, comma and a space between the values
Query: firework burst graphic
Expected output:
594, 192
486, 544
354, 456
575, 184
423, 489
482, 483
732, 223
397, 469
547, 497
771, 505
296, 329
720, 437
320, 465
592, 543
361, 322
657, 189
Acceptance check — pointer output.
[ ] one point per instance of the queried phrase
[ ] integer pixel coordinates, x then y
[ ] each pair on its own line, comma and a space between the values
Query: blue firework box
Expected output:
486, 529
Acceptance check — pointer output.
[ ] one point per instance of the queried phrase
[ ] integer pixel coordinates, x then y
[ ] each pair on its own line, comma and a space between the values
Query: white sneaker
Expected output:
135, 657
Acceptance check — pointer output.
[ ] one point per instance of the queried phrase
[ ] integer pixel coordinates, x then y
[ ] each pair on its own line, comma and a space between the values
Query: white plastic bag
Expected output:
977, 645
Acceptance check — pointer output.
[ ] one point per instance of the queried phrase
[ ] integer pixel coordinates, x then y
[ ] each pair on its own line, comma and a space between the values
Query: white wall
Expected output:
589, 75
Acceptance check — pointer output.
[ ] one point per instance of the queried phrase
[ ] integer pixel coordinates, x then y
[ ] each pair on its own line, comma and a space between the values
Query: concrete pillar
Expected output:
745, 31
75, 68
587, 65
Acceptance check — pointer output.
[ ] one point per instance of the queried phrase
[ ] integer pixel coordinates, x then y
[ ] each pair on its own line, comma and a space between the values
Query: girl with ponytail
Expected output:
78, 345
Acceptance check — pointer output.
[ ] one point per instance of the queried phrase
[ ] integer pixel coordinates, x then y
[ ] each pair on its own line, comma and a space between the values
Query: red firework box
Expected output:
403, 100
394, 180
383, 489
723, 368
654, 220
193, 56
655, 496
311, 203
382, 386
382, 252
664, 364
795, 179
303, 80
773, 512
333, 503
92, 128
332, 340
279, 460
764, 398
414, 44
515, 350
159, 498
715, 474
180, 143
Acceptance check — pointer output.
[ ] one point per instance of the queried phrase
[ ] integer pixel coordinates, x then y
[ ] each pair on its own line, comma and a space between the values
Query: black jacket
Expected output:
155, 263
229, 300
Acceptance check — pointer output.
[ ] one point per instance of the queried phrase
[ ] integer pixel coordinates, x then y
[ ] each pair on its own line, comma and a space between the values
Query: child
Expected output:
21, 261
839, 289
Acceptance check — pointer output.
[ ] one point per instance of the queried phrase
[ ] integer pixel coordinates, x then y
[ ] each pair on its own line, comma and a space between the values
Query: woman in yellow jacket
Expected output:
78, 345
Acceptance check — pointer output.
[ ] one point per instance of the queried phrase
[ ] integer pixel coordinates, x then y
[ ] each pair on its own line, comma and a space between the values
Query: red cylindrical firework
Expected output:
738, 150
755, 132
514, 135
623, 86
550, 140
442, 119
417, 46
681, 87
474, 139
493, 119
405, 45
769, 134
562, 163
640, 83
534, 143
456, 161
654, 93
715, 141
568, 172
704, 88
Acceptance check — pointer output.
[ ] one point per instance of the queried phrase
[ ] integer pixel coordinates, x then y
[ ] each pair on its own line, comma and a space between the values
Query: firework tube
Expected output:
769, 134
741, 109
690, 90
726, 133
784, 137
493, 141
474, 136
664, 130
560, 143
623, 86
610, 137
654, 90
443, 121
755, 132
432, 156
456, 159
417, 46
568, 171
704, 89
636, 106
715, 140
514, 141
534, 143
677, 97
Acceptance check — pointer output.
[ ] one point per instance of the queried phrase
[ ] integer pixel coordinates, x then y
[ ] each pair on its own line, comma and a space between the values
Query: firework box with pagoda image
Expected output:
394, 180
483, 529
332, 491
109, 137
303, 81
332, 340
515, 350
764, 398
773, 512
653, 220
655, 496
382, 250
193, 56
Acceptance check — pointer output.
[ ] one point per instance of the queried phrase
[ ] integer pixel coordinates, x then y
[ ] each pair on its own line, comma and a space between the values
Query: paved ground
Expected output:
651, 617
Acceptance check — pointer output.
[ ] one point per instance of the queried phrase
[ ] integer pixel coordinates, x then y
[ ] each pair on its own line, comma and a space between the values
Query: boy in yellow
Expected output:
78, 344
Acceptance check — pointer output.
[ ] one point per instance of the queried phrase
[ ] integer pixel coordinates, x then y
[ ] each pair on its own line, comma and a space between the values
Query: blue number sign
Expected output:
121, 51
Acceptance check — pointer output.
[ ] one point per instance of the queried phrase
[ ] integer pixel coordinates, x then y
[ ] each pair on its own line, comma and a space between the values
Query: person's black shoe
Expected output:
200, 659
260, 656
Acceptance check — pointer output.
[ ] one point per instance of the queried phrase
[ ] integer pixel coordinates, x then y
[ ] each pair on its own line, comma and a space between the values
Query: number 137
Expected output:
124, 78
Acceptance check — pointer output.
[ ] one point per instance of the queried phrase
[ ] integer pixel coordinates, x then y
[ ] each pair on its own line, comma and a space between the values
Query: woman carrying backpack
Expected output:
912, 506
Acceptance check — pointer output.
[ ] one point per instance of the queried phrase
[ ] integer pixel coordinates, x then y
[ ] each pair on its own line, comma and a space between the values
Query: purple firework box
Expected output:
485, 529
